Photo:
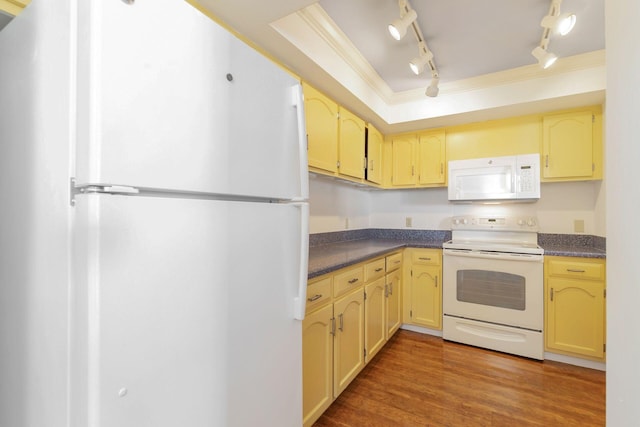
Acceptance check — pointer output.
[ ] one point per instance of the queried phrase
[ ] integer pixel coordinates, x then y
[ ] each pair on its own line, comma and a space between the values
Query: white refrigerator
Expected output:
154, 223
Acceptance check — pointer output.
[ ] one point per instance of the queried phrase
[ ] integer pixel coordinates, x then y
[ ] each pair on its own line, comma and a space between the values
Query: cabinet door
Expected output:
351, 144
567, 145
317, 364
374, 312
393, 303
348, 350
426, 296
431, 154
575, 316
322, 129
374, 155
403, 153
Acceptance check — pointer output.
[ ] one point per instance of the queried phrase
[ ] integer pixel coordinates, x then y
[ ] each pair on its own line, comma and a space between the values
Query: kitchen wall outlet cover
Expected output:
408, 221
346, 223
578, 225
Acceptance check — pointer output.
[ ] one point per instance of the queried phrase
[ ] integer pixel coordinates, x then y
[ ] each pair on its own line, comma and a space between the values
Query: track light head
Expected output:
419, 63
561, 24
432, 89
398, 28
545, 59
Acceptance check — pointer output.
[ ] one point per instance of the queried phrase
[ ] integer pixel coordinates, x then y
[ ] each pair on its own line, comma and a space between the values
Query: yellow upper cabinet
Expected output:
13, 7
374, 155
432, 158
571, 148
351, 144
403, 161
322, 130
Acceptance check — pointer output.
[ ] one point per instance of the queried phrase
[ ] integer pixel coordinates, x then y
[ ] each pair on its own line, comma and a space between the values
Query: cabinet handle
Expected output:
551, 294
314, 298
425, 259
396, 262
371, 165
333, 326
352, 281
391, 288
378, 269
341, 327
436, 281
386, 290
412, 171
573, 270
546, 161
441, 168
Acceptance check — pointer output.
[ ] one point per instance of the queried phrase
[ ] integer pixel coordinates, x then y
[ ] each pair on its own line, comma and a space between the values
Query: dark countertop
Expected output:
328, 253
334, 256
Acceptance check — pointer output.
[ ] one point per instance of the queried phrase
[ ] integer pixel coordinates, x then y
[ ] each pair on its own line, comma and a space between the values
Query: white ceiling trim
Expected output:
316, 35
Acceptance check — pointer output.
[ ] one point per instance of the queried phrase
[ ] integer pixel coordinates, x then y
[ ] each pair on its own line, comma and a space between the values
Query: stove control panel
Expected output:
505, 223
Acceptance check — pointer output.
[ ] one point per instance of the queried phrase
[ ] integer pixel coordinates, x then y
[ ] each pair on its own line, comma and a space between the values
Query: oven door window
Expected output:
491, 288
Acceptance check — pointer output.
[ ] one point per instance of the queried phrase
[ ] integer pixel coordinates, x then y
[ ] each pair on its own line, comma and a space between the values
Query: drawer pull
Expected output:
352, 281
425, 258
379, 269
396, 262
314, 298
573, 270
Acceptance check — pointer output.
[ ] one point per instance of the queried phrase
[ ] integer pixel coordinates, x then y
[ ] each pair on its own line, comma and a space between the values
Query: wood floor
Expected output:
421, 380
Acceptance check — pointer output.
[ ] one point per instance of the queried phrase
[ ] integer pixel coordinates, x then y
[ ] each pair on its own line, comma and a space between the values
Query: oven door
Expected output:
495, 287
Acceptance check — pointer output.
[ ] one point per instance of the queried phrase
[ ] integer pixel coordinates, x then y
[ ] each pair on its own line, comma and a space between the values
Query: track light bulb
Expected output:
398, 28
545, 59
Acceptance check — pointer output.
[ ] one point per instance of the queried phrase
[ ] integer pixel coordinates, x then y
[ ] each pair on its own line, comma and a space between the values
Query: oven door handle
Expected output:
493, 255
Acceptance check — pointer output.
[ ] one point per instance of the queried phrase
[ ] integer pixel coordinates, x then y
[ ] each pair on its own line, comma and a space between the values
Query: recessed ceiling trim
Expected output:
320, 22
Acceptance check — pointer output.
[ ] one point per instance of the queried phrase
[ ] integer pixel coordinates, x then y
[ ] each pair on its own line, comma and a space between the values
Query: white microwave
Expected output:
508, 178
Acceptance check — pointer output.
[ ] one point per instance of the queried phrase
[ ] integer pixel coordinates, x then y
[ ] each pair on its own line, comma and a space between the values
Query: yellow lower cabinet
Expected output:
393, 312
348, 345
423, 290
375, 314
317, 364
575, 306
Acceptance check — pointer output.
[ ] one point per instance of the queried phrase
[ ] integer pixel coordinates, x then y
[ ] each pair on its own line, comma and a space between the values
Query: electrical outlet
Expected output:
346, 223
408, 222
578, 225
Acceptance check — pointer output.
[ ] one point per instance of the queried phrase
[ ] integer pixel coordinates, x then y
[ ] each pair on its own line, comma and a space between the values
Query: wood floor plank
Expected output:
421, 380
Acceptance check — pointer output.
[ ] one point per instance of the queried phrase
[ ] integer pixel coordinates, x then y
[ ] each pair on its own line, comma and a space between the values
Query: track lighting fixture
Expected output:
418, 64
545, 59
398, 28
553, 23
561, 24
432, 89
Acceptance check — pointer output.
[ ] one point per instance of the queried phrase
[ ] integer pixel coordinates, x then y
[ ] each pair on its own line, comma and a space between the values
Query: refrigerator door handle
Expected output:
298, 102
300, 301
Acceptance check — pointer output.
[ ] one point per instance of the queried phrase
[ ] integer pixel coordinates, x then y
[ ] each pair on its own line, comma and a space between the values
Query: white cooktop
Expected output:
495, 234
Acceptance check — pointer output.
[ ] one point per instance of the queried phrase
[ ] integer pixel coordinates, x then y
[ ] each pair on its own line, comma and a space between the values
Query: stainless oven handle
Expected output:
493, 255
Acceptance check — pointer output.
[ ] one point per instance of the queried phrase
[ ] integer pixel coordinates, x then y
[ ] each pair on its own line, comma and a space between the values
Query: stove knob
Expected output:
531, 222
456, 221
465, 221
521, 221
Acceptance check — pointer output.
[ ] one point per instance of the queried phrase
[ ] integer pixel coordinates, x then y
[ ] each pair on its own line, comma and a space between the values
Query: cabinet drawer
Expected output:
347, 280
393, 261
576, 269
373, 270
431, 257
318, 294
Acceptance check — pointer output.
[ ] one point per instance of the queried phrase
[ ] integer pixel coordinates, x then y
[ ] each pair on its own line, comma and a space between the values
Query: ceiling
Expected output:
482, 50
